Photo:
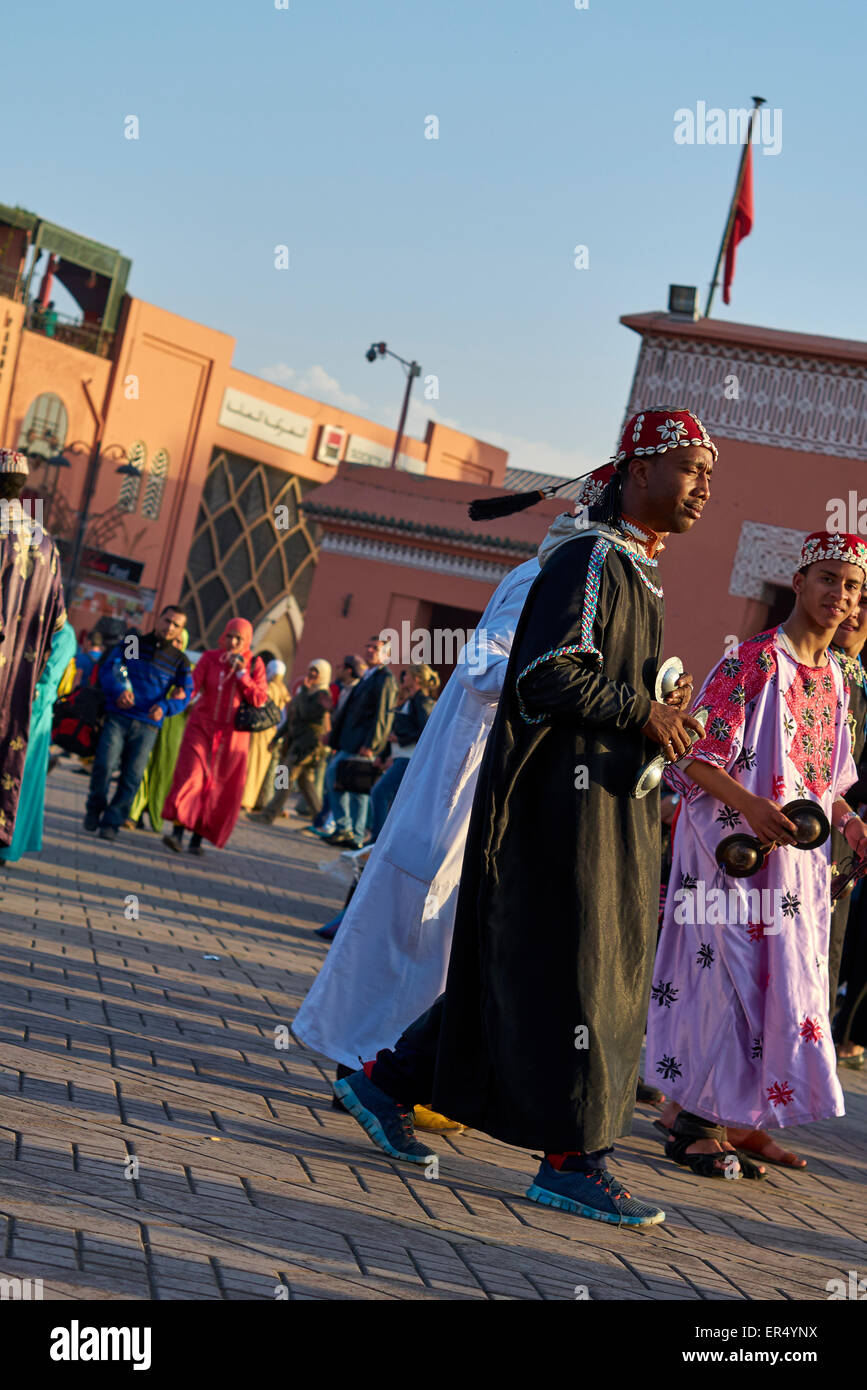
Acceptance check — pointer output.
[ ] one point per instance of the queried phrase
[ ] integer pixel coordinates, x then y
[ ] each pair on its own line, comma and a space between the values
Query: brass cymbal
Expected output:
813, 826
741, 855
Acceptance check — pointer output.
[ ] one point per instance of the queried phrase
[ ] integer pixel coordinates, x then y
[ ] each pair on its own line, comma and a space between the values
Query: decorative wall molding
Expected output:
784, 400
153, 494
414, 557
766, 555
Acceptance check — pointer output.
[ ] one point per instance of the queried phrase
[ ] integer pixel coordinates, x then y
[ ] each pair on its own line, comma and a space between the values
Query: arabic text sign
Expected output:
376, 455
262, 420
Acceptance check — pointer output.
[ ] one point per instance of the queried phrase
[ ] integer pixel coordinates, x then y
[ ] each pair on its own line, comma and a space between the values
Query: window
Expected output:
44, 429
153, 495
129, 488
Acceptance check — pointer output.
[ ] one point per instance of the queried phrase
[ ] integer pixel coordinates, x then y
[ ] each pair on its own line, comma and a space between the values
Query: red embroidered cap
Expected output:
660, 428
593, 485
12, 462
834, 545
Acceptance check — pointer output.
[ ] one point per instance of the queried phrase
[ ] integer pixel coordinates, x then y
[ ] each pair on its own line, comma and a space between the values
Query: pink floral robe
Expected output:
738, 1028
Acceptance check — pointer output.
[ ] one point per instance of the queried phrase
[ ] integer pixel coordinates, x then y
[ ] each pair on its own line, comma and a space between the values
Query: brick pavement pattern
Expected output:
162, 1135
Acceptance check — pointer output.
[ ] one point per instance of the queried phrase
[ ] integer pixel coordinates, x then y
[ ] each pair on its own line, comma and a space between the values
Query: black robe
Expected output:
557, 909
853, 676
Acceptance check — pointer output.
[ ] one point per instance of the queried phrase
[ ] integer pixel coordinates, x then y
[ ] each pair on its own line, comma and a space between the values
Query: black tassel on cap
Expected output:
487, 508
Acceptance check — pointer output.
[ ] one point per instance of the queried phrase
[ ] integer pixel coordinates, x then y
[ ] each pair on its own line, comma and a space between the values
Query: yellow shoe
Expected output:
423, 1118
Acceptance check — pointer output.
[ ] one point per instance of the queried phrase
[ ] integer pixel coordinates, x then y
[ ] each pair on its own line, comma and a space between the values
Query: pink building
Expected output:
241, 497
788, 412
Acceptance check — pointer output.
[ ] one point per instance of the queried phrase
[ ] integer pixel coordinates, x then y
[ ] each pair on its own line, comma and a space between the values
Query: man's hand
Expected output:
125, 699
681, 696
855, 836
670, 728
365, 753
155, 713
767, 821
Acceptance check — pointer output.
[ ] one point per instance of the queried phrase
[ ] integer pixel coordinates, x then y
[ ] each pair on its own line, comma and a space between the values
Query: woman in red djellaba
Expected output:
206, 791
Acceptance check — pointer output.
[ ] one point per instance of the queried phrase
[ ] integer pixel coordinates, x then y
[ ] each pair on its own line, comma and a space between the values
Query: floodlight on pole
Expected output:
413, 370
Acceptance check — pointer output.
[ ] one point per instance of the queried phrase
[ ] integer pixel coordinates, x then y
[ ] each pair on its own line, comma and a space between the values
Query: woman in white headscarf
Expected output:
260, 743
300, 743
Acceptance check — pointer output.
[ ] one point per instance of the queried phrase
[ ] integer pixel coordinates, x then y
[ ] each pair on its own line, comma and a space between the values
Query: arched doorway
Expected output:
279, 630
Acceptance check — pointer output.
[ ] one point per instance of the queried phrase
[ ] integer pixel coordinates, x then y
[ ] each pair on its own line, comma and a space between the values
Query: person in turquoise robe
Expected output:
27, 834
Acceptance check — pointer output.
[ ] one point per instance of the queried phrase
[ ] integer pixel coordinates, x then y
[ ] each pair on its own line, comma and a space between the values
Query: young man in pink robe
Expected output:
738, 1029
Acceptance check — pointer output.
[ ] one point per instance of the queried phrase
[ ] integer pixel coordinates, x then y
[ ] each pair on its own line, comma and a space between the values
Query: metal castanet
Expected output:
651, 774
845, 881
743, 855
667, 677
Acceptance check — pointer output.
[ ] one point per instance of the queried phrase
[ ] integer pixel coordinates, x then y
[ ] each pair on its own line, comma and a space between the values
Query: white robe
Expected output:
390, 957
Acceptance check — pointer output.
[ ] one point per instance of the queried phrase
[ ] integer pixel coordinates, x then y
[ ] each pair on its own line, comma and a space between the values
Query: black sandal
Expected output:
686, 1130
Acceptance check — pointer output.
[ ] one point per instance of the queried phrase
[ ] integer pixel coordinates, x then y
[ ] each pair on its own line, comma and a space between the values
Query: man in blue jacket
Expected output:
145, 679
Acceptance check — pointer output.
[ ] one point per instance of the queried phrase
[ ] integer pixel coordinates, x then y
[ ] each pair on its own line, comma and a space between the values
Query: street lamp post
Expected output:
412, 371
57, 461
126, 469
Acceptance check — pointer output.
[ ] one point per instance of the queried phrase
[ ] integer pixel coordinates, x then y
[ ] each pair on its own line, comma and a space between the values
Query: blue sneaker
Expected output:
597, 1195
328, 930
388, 1123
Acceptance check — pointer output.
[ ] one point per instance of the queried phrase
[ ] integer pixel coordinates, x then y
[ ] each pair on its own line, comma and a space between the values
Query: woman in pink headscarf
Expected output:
205, 795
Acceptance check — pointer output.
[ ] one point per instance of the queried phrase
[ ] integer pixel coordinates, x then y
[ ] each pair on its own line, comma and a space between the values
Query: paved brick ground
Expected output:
155, 1143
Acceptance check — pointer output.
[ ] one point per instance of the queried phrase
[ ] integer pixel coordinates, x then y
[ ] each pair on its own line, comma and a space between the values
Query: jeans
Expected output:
325, 819
350, 810
383, 794
302, 777
126, 743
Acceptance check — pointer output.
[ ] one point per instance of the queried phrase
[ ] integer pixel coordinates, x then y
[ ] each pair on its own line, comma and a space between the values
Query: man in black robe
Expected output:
537, 1038
848, 940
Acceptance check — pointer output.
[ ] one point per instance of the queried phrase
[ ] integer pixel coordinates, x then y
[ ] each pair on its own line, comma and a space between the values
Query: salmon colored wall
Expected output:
777, 487
179, 367
383, 595
165, 388
46, 365
460, 456
11, 319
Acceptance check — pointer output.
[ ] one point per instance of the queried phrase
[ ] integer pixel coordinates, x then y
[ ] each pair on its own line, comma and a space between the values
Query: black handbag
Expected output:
252, 719
356, 775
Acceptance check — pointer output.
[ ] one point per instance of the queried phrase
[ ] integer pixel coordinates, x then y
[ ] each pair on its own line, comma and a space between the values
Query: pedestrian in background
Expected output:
154, 786
136, 677
87, 657
259, 785
419, 688
206, 790
361, 729
299, 746
27, 836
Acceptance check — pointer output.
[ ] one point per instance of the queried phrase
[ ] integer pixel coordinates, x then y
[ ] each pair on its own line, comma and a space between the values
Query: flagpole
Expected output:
759, 101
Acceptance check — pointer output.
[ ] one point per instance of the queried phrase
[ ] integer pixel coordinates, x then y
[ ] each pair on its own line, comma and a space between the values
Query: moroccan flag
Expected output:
742, 225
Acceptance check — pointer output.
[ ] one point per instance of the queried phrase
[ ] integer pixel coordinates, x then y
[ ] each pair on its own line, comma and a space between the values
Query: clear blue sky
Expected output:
305, 126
